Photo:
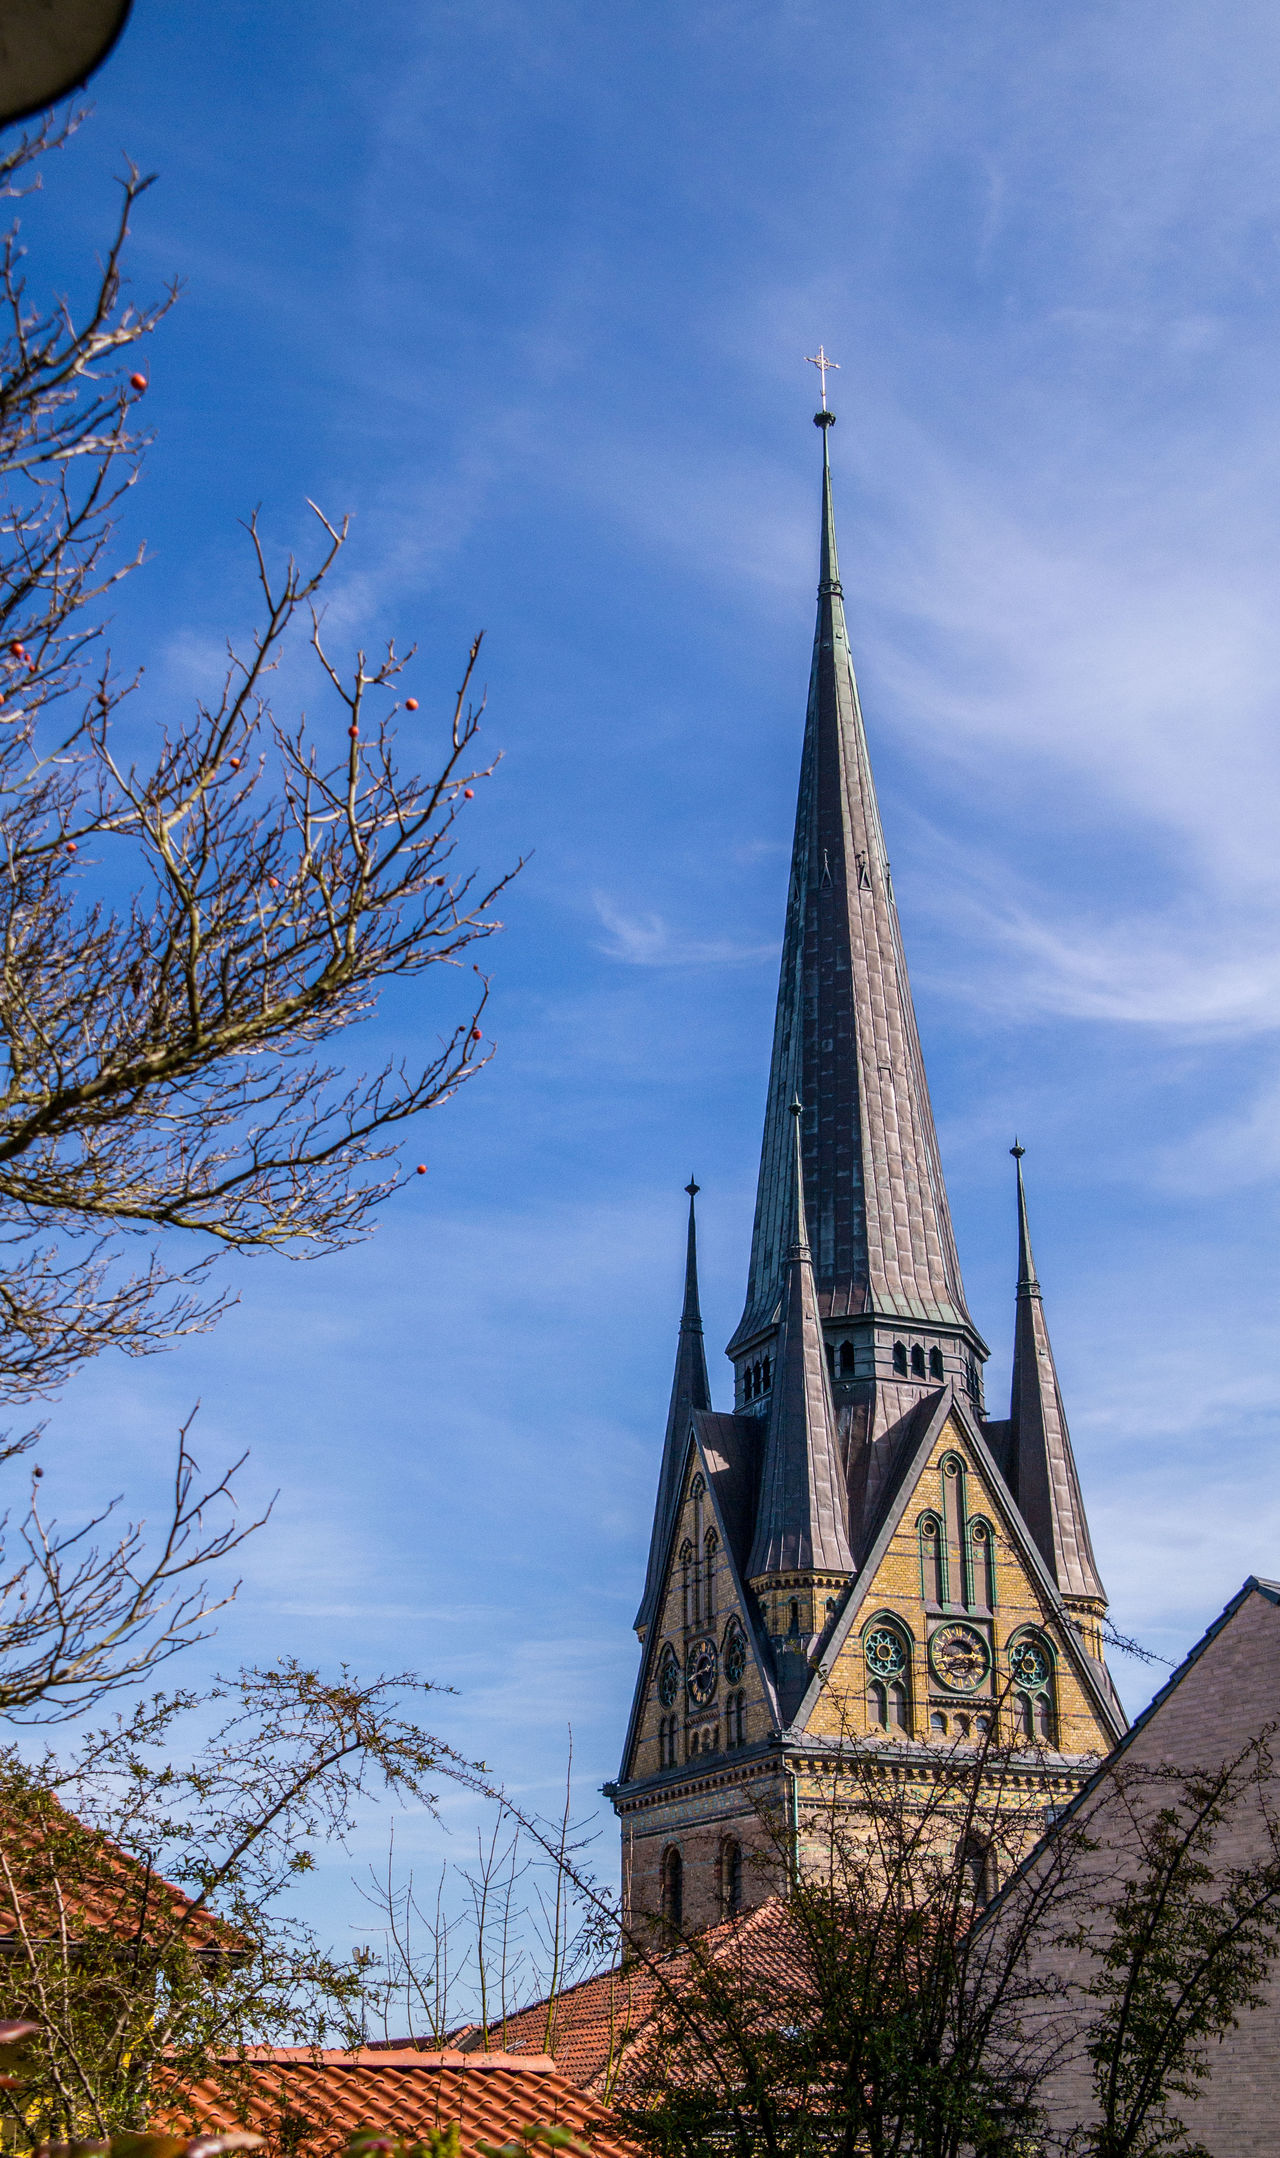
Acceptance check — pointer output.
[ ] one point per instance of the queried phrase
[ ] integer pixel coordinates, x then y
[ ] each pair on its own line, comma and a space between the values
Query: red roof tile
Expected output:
320, 2097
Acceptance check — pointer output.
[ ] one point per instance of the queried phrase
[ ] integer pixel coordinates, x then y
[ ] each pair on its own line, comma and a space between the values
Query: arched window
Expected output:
749, 1383
848, 1359
938, 1722
766, 1375
936, 1370
710, 1546
978, 1870
917, 1361
730, 1877
686, 1580
736, 1720
673, 1887
888, 1660
793, 1615
933, 1560
982, 1550
953, 1523
1031, 1667
831, 1609
973, 1380
900, 1358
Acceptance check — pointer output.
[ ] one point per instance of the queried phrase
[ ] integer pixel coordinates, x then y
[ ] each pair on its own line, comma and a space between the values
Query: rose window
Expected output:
886, 1651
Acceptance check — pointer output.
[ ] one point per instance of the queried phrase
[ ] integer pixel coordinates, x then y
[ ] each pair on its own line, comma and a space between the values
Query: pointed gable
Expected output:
1020, 1595
1042, 1465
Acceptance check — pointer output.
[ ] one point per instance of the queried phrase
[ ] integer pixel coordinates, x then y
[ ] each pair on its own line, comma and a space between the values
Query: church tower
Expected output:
856, 1553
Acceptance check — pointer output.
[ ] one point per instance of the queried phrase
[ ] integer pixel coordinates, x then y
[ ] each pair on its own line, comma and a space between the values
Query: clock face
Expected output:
735, 1658
703, 1671
959, 1657
668, 1680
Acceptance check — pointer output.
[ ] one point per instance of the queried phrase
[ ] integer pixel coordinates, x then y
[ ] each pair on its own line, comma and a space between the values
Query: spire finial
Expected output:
1017, 1151
819, 360
693, 1187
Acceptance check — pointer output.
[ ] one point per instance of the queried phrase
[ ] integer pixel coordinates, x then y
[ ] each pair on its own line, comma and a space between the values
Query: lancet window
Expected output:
917, 1361
710, 1546
982, 1563
673, 1887
937, 1369
933, 1560
730, 1877
686, 1581
900, 1359
848, 1359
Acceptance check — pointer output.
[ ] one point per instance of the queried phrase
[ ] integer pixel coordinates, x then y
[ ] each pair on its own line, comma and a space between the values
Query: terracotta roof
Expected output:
65, 1868
319, 2098
601, 2027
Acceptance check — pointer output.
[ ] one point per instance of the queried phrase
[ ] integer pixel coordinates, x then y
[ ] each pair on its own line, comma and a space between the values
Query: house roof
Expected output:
67, 1871
312, 2100
601, 2027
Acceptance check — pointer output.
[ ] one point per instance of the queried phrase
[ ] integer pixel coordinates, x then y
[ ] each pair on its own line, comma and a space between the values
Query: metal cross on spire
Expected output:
819, 360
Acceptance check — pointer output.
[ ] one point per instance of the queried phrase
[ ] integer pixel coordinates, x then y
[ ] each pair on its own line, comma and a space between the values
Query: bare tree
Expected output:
144, 1889
165, 1059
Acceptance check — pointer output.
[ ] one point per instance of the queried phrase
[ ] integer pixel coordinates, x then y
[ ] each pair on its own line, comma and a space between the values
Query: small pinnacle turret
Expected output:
800, 1523
690, 1390
1042, 1468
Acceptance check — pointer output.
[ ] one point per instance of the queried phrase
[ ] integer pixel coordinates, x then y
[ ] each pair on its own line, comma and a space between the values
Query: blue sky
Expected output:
527, 289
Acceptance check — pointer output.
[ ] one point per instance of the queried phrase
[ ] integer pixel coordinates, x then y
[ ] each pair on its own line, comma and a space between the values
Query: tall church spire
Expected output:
689, 1391
845, 1042
1042, 1464
800, 1520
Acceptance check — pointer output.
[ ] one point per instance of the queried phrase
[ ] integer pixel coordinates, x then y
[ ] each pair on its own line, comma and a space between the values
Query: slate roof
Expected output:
845, 1038
322, 2096
690, 1390
800, 1518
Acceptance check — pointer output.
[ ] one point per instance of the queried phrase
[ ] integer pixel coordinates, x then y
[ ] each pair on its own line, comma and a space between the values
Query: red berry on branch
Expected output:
354, 732
274, 882
235, 764
411, 704
422, 1168
137, 382
71, 846
470, 793
476, 1035
18, 648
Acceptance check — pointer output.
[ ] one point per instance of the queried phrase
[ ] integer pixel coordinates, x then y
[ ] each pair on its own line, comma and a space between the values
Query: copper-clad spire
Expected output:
800, 1520
1042, 1464
845, 1038
690, 1390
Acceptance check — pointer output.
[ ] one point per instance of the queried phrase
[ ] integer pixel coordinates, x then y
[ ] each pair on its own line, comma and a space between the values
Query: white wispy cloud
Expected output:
649, 940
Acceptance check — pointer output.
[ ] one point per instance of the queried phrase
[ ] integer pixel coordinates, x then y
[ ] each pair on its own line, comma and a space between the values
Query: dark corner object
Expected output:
49, 47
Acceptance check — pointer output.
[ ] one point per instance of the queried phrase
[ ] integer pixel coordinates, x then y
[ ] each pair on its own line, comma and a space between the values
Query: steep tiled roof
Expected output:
599, 2028
311, 2100
68, 1872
